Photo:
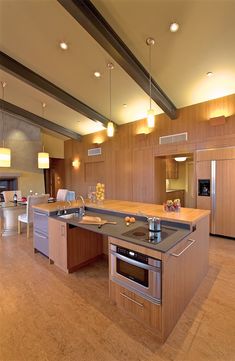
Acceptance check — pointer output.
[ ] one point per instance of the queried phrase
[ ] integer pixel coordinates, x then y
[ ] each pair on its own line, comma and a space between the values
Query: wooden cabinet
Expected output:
176, 194
72, 247
141, 309
172, 171
185, 265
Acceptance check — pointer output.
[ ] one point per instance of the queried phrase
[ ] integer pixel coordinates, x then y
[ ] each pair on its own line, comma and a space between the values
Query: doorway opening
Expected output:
175, 179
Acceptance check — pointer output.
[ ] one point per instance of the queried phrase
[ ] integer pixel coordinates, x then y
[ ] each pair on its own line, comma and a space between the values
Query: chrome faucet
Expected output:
83, 205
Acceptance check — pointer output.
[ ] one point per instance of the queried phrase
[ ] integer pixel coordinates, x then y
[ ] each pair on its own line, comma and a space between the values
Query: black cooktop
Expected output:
144, 235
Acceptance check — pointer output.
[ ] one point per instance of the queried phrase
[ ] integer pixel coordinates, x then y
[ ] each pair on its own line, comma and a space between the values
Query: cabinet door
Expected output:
184, 266
171, 169
58, 243
223, 212
141, 309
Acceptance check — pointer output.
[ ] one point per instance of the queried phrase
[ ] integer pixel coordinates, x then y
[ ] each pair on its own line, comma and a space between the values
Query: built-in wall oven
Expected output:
137, 272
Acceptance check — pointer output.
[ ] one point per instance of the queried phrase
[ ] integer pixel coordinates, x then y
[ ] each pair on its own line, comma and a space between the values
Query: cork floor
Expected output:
48, 315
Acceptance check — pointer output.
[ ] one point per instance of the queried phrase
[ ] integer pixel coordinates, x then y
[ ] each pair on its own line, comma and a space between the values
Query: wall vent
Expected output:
94, 151
174, 138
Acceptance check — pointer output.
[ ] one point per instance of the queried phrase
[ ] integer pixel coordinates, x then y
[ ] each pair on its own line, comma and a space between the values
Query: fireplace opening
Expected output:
7, 184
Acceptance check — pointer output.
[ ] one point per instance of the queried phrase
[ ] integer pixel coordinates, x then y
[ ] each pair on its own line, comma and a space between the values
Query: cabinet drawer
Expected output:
41, 243
142, 310
40, 221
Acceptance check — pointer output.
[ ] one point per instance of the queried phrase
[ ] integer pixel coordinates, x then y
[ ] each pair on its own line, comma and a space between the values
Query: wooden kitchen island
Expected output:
184, 263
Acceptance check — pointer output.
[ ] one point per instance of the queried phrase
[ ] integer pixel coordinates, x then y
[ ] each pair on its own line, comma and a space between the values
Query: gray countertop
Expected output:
180, 230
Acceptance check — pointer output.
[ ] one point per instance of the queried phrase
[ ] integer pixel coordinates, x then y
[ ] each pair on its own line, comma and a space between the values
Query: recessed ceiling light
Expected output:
63, 45
124, 105
209, 73
174, 27
97, 74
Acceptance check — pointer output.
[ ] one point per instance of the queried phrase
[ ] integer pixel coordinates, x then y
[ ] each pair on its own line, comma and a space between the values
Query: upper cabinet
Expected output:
172, 171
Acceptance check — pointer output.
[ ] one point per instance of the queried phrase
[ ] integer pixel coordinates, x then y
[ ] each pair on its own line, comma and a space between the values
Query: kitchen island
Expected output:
157, 299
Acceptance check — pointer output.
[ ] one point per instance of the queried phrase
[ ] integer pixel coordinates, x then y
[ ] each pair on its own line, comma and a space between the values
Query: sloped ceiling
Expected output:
30, 32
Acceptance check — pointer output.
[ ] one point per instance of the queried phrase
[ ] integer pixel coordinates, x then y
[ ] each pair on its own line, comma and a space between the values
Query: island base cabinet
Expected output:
184, 267
72, 247
138, 307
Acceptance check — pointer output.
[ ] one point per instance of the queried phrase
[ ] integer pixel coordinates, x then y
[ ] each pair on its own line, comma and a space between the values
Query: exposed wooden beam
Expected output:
86, 14
39, 121
20, 71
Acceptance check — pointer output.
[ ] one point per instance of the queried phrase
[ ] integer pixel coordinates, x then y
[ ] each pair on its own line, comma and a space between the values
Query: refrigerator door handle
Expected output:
213, 195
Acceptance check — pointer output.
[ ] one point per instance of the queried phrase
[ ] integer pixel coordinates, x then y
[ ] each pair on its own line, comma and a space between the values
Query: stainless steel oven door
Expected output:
138, 276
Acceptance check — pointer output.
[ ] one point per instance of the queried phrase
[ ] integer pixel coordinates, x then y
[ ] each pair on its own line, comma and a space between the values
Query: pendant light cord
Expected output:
110, 92
150, 79
3, 98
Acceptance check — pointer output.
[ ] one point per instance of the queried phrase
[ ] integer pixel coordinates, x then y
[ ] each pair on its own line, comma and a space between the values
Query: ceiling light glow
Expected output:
209, 74
64, 45
174, 27
97, 74
180, 159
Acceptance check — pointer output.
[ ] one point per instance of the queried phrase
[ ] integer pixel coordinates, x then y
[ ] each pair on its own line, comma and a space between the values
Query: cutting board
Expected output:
95, 220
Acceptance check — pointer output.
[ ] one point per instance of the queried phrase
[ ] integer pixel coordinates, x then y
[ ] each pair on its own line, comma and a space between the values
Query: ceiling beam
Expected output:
20, 71
39, 121
86, 14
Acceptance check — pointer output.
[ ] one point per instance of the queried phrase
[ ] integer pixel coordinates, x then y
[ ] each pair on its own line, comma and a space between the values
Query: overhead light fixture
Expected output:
43, 157
64, 45
174, 27
5, 153
209, 74
124, 105
97, 74
150, 115
110, 126
180, 159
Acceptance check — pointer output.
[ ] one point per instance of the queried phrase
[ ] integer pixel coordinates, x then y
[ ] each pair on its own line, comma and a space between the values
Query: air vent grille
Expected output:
173, 138
94, 151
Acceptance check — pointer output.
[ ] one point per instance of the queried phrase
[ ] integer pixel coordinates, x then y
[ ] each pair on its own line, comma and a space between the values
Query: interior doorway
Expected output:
54, 177
175, 179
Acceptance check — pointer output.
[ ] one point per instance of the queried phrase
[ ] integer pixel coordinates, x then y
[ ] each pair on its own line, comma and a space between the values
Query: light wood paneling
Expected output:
142, 310
183, 274
216, 154
172, 171
129, 156
94, 172
225, 195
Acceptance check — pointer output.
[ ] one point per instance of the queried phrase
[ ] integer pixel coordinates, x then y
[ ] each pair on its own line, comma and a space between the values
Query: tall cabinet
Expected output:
216, 173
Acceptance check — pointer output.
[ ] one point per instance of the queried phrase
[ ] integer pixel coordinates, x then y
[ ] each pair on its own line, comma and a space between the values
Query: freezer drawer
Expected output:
41, 243
40, 222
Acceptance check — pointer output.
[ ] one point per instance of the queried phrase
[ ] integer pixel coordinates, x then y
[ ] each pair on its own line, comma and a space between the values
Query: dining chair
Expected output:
8, 195
62, 195
28, 216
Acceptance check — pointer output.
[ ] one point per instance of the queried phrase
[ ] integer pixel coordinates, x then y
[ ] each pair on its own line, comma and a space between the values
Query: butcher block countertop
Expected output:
186, 215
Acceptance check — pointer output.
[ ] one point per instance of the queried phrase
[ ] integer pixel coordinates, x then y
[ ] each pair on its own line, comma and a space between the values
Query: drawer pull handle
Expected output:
192, 241
40, 235
40, 214
130, 299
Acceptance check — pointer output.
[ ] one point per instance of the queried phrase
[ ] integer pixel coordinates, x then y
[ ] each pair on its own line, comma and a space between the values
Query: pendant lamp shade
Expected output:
110, 129
5, 157
5, 153
43, 160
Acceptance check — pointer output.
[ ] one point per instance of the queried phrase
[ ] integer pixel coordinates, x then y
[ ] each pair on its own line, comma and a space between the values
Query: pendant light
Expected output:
150, 115
110, 126
5, 153
43, 157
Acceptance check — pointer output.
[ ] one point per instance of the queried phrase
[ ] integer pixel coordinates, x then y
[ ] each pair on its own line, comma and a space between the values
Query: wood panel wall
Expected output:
128, 159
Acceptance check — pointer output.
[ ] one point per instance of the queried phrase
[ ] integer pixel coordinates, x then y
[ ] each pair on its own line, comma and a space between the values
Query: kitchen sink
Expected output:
68, 216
